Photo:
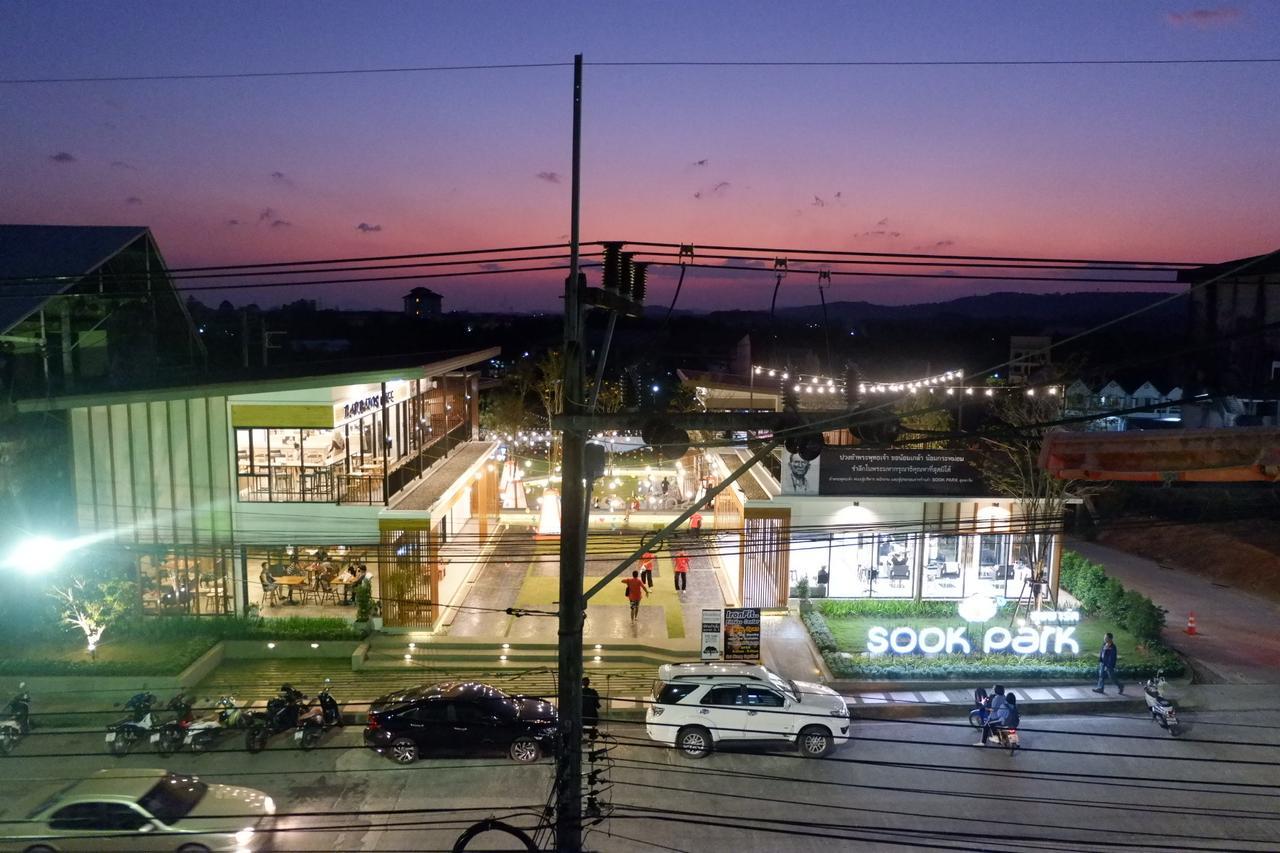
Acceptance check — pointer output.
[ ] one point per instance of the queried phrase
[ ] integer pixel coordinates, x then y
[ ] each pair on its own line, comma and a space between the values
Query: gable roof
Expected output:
34, 251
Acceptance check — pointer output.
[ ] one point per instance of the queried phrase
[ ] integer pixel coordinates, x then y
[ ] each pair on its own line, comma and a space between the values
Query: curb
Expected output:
906, 710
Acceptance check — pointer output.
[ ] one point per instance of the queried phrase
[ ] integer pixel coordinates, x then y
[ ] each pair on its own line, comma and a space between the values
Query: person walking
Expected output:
590, 705
646, 568
682, 570
1107, 665
635, 591
695, 524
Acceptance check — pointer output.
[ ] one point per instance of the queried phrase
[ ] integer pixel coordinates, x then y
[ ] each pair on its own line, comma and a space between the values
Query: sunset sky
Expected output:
1167, 162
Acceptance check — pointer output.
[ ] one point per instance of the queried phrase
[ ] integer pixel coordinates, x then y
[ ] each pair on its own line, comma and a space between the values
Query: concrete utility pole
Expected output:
573, 525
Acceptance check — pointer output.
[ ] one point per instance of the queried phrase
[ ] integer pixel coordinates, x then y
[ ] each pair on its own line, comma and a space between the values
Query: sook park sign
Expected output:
1040, 640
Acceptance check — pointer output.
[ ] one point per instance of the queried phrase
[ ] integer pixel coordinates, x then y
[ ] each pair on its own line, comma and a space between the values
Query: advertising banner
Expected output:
852, 471
712, 634
742, 633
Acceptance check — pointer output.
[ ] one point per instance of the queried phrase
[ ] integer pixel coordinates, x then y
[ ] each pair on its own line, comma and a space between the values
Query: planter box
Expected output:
267, 649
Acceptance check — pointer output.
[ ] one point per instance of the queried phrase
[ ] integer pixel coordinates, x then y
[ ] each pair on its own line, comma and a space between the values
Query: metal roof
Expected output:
69, 251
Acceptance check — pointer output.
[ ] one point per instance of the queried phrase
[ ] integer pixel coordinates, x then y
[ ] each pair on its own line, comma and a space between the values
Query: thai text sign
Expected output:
854, 471
742, 633
712, 634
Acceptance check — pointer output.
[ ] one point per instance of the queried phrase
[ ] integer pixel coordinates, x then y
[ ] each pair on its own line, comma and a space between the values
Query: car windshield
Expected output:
173, 798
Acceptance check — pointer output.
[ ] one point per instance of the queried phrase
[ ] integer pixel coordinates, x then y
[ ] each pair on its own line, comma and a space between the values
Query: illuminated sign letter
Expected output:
903, 640
1064, 641
957, 642
1027, 642
932, 640
996, 639
877, 640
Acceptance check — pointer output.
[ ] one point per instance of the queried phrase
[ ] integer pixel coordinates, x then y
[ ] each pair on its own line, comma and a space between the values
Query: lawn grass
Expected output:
121, 656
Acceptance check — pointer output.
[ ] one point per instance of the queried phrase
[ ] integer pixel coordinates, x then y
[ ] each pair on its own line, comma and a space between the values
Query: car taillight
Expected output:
373, 723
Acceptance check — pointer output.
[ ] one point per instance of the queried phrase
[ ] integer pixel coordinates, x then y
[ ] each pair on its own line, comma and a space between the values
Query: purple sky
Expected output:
1150, 162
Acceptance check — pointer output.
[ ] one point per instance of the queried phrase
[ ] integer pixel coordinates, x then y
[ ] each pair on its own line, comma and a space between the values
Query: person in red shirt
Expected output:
646, 568
695, 524
635, 591
682, 571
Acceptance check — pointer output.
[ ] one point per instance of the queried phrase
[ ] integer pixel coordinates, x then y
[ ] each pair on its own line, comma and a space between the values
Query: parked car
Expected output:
696, 707
460, 718
140, 810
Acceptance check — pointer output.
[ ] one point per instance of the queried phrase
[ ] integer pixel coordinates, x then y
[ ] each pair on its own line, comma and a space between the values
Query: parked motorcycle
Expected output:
1160, 706
281, 715
323, 714
123, 734
169, 736
15, 720
203, 733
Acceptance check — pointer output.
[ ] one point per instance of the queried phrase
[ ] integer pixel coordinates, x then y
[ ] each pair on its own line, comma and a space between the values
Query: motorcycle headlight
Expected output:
269, 806
244, 836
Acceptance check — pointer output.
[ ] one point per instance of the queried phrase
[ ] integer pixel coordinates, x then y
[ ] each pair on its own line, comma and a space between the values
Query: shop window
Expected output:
944, 575
853, 565
895, 563
187, 581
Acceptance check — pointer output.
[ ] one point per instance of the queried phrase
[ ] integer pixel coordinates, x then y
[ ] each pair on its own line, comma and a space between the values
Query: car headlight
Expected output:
244, 836
840, 712
269, 806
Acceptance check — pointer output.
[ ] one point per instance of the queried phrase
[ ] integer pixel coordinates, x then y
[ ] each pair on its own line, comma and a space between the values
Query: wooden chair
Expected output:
326, 593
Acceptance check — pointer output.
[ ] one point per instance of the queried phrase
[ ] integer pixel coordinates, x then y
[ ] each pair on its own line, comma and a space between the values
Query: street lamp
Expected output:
37, 554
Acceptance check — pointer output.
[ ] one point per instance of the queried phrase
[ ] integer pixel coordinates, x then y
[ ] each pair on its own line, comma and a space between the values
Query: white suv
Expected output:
696, 706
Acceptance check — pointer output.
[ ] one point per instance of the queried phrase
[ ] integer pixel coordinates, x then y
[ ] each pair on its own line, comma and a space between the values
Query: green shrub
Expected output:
1100, 595
166, 628
169, 658
364, 602
995, 666
818, 630
894, 608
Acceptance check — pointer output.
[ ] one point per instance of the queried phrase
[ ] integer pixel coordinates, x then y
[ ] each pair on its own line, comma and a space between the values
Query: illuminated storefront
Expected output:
913, 524
270, 495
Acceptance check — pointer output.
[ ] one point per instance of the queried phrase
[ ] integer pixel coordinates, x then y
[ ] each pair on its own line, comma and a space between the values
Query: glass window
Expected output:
896, 566
428, 712
470, 713
944, 576
670, 694
173, 798
853, 565
761, 696
723, 696
78, 817
119, 817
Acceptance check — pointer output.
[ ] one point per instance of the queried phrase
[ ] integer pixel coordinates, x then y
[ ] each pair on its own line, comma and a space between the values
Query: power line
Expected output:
311, 72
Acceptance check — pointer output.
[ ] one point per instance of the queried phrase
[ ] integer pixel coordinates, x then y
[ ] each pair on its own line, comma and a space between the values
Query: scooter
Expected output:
122, 735
1160, 706
323, 714
281, 715
1008, 738
16, 720
169, 736
981, 708
202, 733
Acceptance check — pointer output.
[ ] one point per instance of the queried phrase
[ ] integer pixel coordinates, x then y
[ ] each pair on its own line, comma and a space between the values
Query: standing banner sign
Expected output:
712, 632
742, 633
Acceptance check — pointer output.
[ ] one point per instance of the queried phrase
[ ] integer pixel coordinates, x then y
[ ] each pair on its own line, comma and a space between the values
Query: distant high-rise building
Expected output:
422, 302
1027, 355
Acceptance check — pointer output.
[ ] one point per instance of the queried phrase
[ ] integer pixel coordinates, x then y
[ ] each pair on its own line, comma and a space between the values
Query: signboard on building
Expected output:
712, 634
854, 471
1053, 632
742, 633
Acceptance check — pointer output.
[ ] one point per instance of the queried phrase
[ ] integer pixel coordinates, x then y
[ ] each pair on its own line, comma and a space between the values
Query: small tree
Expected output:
1011, 466
94, 602
922, 418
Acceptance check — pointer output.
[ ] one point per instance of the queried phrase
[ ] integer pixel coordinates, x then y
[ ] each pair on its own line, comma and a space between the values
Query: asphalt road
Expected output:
1079, 783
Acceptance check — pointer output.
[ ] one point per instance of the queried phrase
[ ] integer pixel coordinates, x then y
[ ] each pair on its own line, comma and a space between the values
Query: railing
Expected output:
418, 464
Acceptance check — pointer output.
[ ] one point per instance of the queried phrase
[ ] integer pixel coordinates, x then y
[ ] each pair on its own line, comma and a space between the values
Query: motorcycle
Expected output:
202, 733
281, 715
1008, 738
323, 714
15, 720
1160, 706
123, 734
982, 708
169, 736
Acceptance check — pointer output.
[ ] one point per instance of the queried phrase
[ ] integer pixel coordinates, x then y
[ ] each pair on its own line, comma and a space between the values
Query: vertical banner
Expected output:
742, 633
712, 632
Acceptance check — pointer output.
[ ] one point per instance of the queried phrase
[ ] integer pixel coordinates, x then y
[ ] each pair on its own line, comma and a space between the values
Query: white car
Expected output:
697, 706
140, 810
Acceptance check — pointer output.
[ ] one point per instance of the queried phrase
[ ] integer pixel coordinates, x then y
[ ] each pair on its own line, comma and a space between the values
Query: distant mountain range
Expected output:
1050, 312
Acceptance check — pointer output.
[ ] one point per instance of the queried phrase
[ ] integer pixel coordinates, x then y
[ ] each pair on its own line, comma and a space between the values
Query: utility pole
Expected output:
573, 524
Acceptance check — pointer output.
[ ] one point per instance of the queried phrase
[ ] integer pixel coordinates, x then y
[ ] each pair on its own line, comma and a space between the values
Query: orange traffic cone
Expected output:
1191, 623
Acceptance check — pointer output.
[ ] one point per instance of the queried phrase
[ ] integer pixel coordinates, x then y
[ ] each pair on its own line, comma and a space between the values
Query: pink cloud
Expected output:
1203, 19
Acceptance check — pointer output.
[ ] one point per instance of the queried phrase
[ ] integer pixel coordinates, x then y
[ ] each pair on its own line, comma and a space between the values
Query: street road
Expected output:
1236, 638
1103, 783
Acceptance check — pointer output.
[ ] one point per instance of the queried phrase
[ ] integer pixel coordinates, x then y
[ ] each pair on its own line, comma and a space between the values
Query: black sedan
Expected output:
460, 718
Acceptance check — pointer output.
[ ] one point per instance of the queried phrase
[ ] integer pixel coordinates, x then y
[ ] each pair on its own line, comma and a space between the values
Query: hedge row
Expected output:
236, 628
1100, 595
169, 659
818, 630
836, 608
995, 666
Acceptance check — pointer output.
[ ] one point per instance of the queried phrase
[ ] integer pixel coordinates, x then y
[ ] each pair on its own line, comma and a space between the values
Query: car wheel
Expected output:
193, 848
693, 742
123, 742
404, 751
975, 718
7, 741
40, 849
310, 738
169, 743
814, 742
525, 750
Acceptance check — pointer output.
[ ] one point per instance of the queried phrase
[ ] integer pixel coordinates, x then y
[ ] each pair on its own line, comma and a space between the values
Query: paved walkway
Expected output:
1237, 638
964, 695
